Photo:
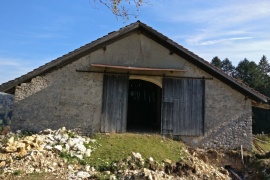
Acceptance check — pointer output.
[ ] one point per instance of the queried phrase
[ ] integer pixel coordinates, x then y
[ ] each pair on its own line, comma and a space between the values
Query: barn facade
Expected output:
136, 80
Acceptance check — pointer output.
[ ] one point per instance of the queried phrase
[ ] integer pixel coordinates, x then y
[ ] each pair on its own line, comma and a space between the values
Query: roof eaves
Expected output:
113, 36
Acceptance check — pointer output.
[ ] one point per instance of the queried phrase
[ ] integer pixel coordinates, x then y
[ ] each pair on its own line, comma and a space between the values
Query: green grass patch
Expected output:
114, 147
17, 173
265, 145
32, 176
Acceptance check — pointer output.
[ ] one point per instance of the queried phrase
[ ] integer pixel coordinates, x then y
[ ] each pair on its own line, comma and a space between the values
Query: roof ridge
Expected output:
113, 36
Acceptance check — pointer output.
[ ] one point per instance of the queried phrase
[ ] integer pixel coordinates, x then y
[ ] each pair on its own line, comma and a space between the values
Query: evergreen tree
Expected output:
227, 67
264, 65
249, 73
255, 76
216, 62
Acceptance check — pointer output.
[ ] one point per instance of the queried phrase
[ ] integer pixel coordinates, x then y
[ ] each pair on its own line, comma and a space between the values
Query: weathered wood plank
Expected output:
167, 118
114, 103
186, 97
167, 107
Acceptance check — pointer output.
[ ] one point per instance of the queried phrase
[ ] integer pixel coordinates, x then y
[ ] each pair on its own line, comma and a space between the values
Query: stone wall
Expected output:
73, 99
61, 98
228, 116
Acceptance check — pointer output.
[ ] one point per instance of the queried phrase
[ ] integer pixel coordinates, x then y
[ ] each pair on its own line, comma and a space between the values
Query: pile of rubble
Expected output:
41, 153
46, 151
135, 167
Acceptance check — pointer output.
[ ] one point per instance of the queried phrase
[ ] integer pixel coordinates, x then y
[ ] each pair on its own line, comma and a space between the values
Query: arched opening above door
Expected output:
144, 106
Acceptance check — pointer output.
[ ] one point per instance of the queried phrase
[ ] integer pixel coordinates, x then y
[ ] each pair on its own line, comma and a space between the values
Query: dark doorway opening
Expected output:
144, 107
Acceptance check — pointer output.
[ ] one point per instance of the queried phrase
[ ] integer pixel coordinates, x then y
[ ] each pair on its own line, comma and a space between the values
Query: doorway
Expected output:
144, 107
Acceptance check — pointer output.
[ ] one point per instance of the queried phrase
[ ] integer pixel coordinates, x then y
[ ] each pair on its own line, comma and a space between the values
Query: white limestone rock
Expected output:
88, 152
58, 148
83, 174
137, 155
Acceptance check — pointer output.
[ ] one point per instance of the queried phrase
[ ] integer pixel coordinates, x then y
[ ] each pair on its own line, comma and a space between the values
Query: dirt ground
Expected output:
251, 167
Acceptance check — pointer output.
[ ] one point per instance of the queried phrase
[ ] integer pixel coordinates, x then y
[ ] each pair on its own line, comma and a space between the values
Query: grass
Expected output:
265, 146
114, 147
262, 164
32, 176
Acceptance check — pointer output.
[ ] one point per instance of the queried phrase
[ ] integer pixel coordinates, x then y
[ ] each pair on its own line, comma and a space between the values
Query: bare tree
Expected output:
120, 8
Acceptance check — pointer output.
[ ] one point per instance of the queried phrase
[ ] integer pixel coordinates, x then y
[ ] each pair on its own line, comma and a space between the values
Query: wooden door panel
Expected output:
186, 115
114, 103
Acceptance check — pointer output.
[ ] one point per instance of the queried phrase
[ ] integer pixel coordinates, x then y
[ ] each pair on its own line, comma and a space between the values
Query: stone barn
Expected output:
136, 80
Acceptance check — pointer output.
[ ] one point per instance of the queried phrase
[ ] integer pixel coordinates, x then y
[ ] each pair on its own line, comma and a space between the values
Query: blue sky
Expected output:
34, 32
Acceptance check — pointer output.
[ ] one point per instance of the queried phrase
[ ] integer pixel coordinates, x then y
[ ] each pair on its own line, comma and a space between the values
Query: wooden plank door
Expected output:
167, 106
183, 106
114, 103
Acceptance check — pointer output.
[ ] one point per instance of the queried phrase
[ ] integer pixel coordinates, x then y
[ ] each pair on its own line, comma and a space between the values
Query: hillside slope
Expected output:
63, 154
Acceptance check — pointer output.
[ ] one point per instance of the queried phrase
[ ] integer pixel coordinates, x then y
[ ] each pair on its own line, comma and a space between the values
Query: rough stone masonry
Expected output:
64, 97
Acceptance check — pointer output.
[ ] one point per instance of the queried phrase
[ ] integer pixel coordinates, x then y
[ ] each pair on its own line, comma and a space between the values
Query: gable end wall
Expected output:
73, 99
